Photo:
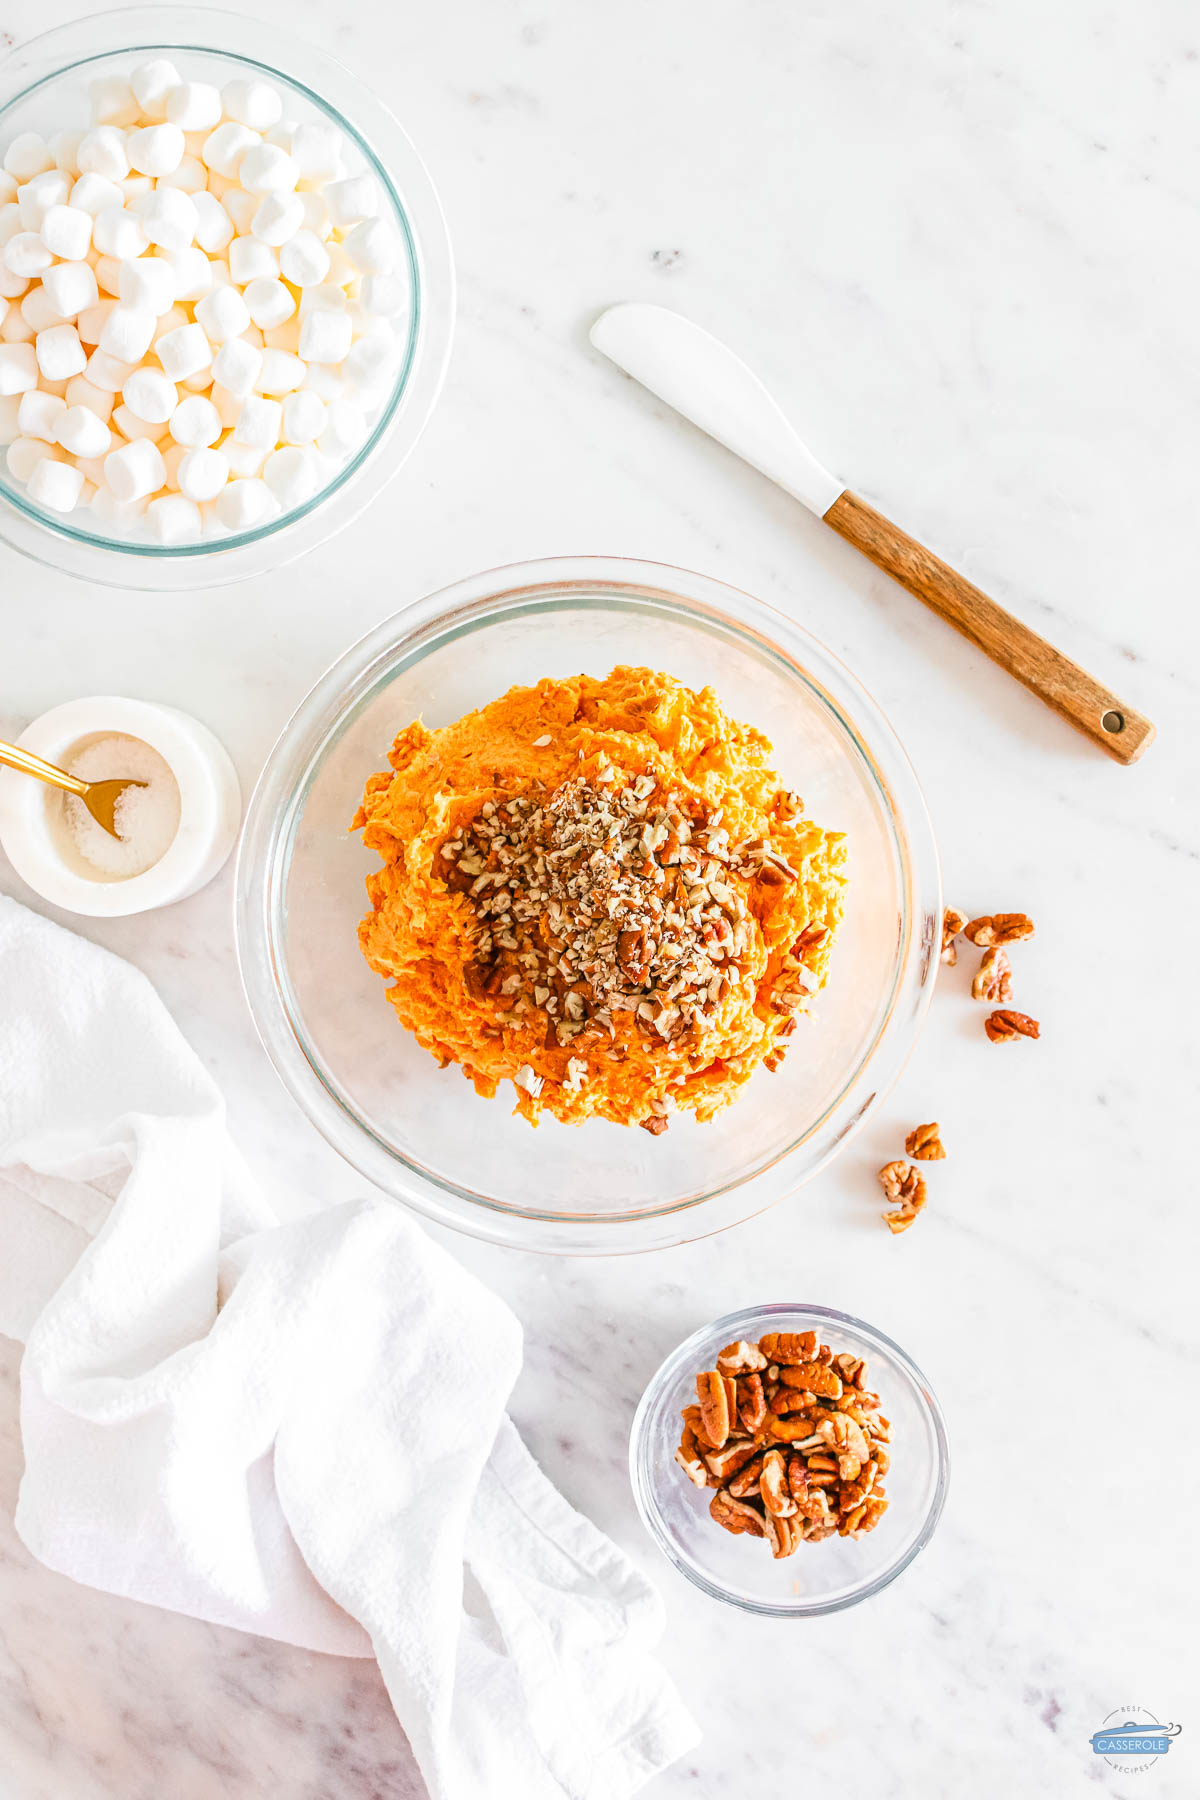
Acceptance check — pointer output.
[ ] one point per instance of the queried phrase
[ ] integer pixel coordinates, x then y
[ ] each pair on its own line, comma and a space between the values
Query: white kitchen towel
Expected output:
297, 1429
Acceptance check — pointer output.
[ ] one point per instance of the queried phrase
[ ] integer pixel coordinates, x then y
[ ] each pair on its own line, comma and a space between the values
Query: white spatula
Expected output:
708, 384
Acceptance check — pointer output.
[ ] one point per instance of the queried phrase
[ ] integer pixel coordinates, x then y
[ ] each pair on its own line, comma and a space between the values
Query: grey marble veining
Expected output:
962, 244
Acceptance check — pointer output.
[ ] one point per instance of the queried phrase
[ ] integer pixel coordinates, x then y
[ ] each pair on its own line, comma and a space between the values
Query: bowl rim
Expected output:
348, 102
330, 707
730, 1328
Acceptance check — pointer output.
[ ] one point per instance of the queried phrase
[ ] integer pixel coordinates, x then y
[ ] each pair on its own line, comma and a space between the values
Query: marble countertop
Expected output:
962, 243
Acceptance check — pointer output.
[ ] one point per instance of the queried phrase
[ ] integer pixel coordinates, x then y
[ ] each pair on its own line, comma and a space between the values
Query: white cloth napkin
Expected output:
295, 1429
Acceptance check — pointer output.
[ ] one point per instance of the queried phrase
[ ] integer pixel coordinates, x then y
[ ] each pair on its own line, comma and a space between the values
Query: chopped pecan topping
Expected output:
994, 978
924, 1143
952, 924
998, 928
1003, 1027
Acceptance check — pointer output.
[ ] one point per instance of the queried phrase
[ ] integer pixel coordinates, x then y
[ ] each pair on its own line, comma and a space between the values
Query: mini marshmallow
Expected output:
81, 392
317, 152
228, 405
36, 197
325, 337
8, 188
325, 381
134, 470
194, 106
259, 423
268, 169
128, 332
38, 310
325, 297
291, 474
91, 468
355, 198
10, 406
199, 383
223, 314
191, 176
10, 222
113, 101
119, 233
172, 455
268, 302
241, 208
149, 395
193, 273
236, 366
315, 217
24, 455
134, 189
253, 103
71, 288
195, 423
14, 329
28, 155
64, 148
155, 149
224, 149
383, 295
243, 503
56, 485
171, 320
202, 473
148, 282
93, 193
111, 511
372, 247
184, 352
67, 232
283, 337
82, 433
244, 459
108, 372
107, 270
304, 260
152, 83
39, 415
342, 272
91, 320
252, 260
345, 428
25, 254
60, 353
133, 428
214, 227
102, 152
278, 218
168, 218
304, 416
173, 519
281, 373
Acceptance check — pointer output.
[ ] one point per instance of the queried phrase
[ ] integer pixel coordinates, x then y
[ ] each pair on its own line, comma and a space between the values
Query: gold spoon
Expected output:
100, 797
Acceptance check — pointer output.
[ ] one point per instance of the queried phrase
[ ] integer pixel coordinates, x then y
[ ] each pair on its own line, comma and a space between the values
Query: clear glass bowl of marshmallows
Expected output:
226, 297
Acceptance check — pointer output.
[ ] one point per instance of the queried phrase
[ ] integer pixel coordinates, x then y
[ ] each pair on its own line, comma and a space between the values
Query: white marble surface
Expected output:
962, 242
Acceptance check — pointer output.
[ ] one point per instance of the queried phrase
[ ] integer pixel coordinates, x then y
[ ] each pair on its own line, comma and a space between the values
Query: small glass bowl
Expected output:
44, 87
816, 1578
422, 1133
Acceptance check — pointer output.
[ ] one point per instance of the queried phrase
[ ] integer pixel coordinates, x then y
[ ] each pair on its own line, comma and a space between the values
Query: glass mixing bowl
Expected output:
44, 88
817, 1578
422, 1133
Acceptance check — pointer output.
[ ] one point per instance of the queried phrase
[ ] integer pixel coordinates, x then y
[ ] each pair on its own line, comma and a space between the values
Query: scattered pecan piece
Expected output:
714, 1406
998, 928
655, 1124
925, 1144
1003, 1027
994, 979
898, 1221
905, 1188
952, 924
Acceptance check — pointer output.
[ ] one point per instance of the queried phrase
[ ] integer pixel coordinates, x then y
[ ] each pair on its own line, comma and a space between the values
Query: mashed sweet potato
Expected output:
599, 891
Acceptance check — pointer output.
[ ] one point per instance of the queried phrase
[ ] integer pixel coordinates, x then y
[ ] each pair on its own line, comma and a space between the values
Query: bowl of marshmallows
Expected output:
226, 298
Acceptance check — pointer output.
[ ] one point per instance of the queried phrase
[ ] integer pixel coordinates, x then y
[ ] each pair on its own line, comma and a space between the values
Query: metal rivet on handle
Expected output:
1114, 722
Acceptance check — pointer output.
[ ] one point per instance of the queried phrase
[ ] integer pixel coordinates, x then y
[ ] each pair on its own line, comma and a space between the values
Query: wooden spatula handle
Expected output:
1112, 725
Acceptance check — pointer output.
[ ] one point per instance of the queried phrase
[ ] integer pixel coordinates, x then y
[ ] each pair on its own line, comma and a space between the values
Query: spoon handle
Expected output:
26, 763
1112, 726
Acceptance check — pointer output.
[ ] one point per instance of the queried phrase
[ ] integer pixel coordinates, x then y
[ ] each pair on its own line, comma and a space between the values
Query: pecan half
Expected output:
782, 1533
998, 928
924, 1143
741, 1358
994, 978
752, 1402
952, 924
773, 1485
746, 1480
1003, 1027
735, 1515
714, 1406
733, 1456
688, 1458
789, 1346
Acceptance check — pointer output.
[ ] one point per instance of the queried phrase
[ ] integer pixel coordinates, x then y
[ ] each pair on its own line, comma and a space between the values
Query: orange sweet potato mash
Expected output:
598, 890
